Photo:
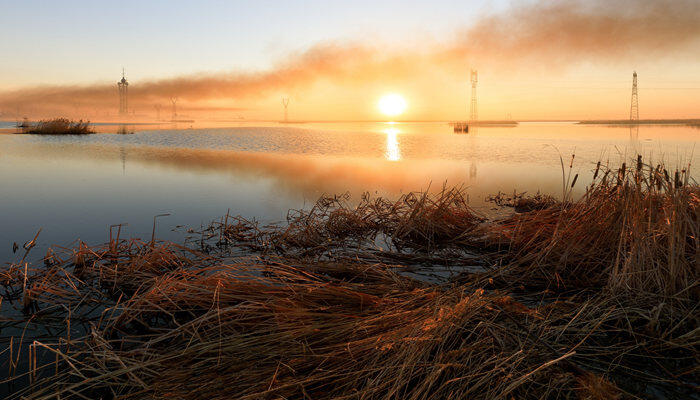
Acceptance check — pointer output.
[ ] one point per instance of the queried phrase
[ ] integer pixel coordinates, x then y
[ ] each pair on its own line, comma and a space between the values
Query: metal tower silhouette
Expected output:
174, 101
123, 86
285, 103
157, 107
634, 107
473, 115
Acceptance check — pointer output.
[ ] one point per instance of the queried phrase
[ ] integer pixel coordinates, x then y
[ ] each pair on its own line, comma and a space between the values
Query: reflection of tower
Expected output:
123, 86
634, 110
285, 103
122, 155
173, 100
472, 154
472, 108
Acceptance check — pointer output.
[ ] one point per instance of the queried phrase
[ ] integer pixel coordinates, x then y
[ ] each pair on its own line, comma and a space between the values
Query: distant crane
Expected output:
285, 103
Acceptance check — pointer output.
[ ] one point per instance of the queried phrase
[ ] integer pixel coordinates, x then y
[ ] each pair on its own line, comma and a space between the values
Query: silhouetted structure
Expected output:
173, 100
123, 86
634, 107
473, 115
634, 111
285, 103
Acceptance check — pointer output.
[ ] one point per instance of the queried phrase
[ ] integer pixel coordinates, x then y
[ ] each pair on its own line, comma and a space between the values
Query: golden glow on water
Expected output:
392, 144
263, 171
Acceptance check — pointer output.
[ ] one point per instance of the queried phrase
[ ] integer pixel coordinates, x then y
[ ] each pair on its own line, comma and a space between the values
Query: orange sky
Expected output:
538, 60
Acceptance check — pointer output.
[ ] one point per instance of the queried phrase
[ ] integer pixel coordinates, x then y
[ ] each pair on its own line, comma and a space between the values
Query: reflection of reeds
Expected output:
594, 298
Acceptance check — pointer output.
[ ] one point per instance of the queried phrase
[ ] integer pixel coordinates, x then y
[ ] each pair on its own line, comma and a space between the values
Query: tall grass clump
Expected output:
414, 222
61, 126
635, 229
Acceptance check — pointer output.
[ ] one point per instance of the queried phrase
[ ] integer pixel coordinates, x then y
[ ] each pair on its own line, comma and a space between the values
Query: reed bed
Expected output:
59, 126
594, 298
416, 224
635, 229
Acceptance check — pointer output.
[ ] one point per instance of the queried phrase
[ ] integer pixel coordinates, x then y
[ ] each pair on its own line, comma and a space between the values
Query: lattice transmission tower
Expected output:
123, 86
634, 107
173, 100
473, 113
285, 103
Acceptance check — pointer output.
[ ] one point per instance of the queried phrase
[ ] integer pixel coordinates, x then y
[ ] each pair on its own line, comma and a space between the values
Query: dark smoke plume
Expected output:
551, 33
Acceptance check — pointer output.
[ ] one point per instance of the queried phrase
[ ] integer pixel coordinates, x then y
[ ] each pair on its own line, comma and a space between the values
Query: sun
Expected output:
392, 104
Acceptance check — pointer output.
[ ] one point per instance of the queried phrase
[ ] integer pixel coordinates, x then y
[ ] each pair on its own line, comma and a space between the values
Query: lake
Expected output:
76, 187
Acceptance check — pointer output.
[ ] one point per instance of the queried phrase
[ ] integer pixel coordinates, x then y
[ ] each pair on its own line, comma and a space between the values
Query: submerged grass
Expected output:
589, 299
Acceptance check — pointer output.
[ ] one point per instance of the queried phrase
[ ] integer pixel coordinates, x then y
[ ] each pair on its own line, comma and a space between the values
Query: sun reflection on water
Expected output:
392, 144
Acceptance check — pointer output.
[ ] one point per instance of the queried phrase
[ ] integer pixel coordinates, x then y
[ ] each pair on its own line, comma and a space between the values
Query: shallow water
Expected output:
76, 187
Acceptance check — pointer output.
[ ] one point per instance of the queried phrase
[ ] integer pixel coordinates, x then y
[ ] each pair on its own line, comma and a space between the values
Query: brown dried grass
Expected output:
594, 298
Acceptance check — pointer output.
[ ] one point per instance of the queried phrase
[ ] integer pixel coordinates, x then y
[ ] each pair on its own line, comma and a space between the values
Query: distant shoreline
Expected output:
626, 122
694, 122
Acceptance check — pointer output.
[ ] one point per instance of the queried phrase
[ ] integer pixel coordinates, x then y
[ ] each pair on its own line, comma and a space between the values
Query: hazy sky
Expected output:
536, 59
57, 42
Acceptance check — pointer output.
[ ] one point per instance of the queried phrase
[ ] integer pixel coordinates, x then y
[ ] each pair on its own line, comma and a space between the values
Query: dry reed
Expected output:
589, 299
59, 126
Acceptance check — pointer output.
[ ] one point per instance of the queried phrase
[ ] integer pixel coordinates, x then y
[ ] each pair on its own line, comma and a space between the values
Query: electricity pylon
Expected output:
473, 115
634, 107
285, 103
173, 100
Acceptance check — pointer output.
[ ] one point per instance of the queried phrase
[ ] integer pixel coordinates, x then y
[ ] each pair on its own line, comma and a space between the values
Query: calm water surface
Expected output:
76, 187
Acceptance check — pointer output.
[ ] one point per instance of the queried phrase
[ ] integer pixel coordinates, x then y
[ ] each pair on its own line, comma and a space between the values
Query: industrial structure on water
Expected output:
285, 104
123, 86
472, 108
473, 121
634, 107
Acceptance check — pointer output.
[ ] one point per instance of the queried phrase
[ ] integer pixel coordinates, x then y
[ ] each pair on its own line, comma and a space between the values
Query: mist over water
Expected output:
76, 187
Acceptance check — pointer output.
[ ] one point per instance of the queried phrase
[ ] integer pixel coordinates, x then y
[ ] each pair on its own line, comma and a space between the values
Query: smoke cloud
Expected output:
549, 33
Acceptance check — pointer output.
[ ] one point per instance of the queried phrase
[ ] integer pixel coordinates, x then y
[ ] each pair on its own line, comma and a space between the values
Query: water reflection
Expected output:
263, 171
472, 170
634, 133
634, 139
392, 144
122, 156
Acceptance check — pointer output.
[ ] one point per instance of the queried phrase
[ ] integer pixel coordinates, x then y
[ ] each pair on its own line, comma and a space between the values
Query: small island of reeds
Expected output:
57, 126
412, 298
